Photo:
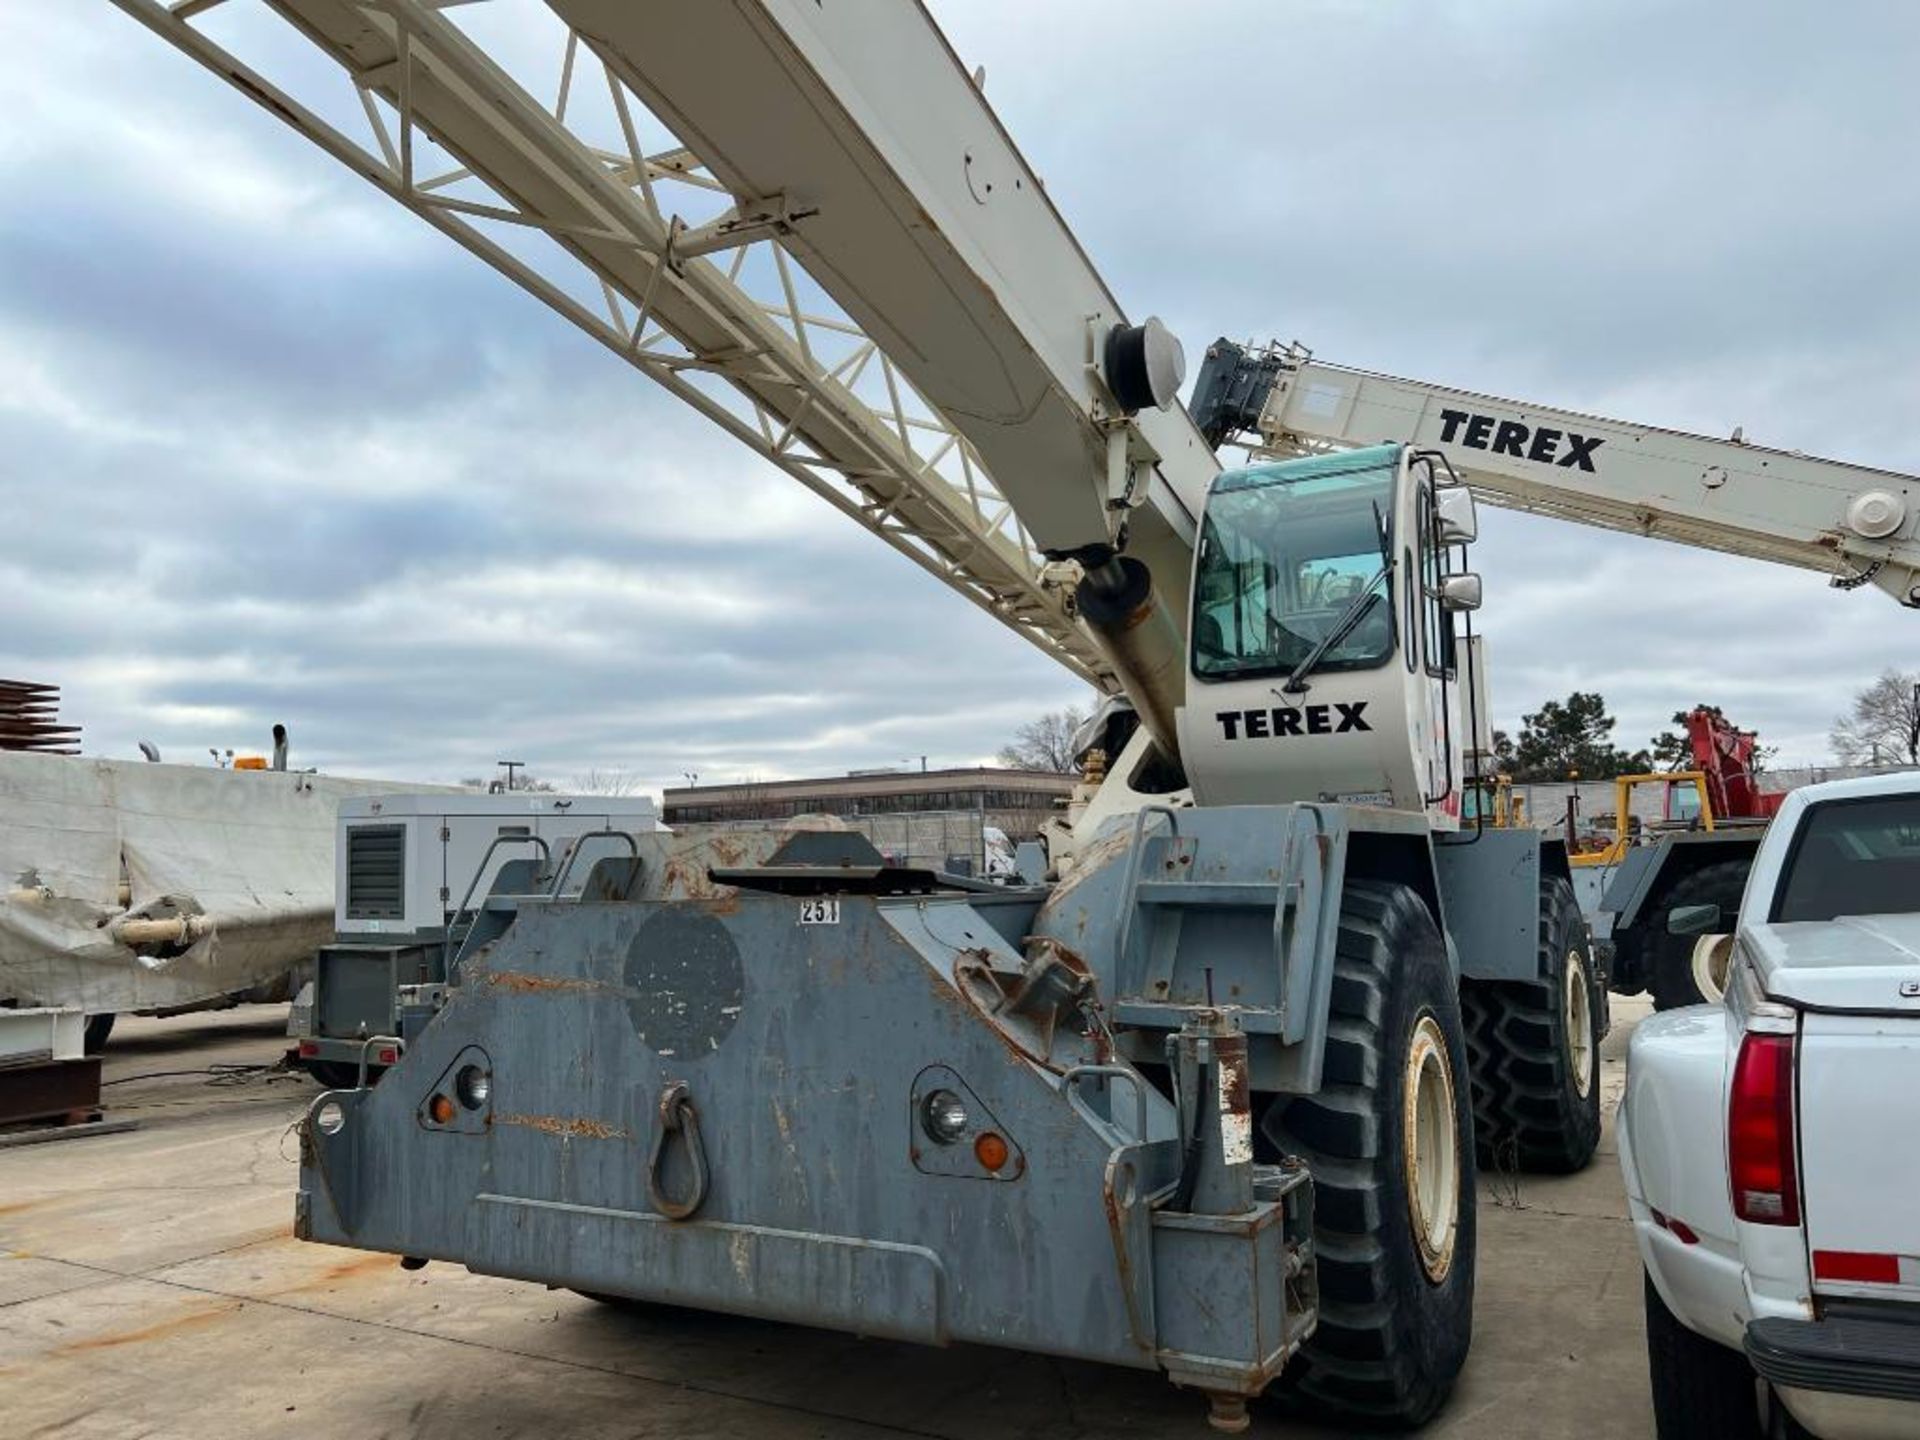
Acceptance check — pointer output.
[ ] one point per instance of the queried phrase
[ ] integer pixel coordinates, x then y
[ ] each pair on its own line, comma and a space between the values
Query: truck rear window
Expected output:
1853, 857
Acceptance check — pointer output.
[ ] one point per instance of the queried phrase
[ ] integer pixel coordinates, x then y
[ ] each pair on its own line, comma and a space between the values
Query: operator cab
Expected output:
1322, 658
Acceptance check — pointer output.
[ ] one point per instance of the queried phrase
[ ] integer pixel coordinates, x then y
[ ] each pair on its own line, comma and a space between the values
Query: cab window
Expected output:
1285, 552
1436, 621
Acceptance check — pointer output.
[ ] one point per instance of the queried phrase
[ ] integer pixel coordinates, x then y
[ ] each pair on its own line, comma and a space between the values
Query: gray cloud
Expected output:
271, 449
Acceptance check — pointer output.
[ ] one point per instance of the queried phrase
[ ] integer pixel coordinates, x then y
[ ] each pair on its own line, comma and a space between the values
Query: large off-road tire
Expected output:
1535, 1048
1701, 1390
1388, 1139
1671, 976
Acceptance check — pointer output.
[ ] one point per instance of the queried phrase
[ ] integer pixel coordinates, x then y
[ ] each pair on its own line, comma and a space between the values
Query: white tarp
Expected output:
250, 851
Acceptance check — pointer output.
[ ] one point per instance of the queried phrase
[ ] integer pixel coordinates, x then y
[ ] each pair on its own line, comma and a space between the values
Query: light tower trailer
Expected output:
1199, 1107
407, 869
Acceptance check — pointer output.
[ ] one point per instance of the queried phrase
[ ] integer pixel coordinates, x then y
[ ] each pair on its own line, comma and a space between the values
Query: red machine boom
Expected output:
1724, 754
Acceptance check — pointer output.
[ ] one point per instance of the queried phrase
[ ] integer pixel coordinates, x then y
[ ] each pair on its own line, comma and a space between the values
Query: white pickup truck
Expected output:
1771, 1141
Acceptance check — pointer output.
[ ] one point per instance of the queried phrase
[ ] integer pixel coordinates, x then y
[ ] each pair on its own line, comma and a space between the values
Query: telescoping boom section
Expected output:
1859, 525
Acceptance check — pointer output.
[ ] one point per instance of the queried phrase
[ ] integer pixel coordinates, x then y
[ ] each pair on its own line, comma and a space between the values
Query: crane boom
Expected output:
894, 316
1857, 524
921, 219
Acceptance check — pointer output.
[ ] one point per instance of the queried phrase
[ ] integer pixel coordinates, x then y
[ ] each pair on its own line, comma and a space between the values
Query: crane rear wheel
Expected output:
1536, 1051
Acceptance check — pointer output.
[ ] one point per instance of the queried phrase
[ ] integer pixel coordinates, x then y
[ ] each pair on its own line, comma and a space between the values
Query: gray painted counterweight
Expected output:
774, 1057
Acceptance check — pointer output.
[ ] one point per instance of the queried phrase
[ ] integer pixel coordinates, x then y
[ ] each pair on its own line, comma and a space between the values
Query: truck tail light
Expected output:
1760, 1146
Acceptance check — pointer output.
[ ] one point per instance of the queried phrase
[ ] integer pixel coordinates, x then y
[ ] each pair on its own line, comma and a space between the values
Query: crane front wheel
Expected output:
1388, 1139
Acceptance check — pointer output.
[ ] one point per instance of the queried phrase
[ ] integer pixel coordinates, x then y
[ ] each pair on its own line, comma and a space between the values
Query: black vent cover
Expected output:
376, 872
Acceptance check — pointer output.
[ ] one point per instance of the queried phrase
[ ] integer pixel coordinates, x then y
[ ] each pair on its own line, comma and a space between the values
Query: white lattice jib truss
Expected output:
507, 131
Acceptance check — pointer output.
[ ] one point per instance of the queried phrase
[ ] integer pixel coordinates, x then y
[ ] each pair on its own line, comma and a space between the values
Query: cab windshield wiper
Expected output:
1356, 611
1357, 608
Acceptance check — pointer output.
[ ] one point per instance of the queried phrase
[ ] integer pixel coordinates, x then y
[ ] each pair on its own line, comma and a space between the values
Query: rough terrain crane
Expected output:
1202, 1105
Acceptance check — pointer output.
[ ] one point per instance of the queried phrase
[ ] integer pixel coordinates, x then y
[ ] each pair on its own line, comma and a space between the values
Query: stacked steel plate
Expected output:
27, 714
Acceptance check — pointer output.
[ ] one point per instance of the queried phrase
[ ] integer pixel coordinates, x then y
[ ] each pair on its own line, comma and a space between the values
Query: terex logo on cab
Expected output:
1282, 720
1541, 443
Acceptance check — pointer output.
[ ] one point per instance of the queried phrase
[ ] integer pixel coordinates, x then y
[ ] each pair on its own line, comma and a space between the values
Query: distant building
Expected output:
1017, 801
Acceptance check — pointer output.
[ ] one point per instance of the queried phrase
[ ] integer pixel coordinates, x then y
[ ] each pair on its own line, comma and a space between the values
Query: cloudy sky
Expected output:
271, 449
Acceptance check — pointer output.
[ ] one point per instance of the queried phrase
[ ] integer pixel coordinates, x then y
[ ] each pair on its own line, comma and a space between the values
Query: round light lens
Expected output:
475, 1086
944, 1114
331, 1119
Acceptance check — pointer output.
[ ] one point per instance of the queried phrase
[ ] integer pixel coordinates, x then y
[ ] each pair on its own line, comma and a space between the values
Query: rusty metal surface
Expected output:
801, 1045
28, 712
722, 1100
50, 1090
1238, 907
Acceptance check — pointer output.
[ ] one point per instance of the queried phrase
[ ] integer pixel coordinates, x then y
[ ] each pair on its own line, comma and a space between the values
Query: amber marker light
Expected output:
440, 1110
990, 1150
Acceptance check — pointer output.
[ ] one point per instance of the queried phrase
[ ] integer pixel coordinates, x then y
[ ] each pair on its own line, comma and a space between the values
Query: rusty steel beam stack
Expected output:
27, 719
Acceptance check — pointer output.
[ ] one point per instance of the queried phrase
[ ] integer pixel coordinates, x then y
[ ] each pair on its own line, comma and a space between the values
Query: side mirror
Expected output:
1693, 920
1460, 592
1459, 525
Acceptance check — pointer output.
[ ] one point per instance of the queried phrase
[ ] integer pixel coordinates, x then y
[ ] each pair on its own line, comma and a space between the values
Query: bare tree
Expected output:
522, 781
1884, 722
756, 801
1046, 743
606, 782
